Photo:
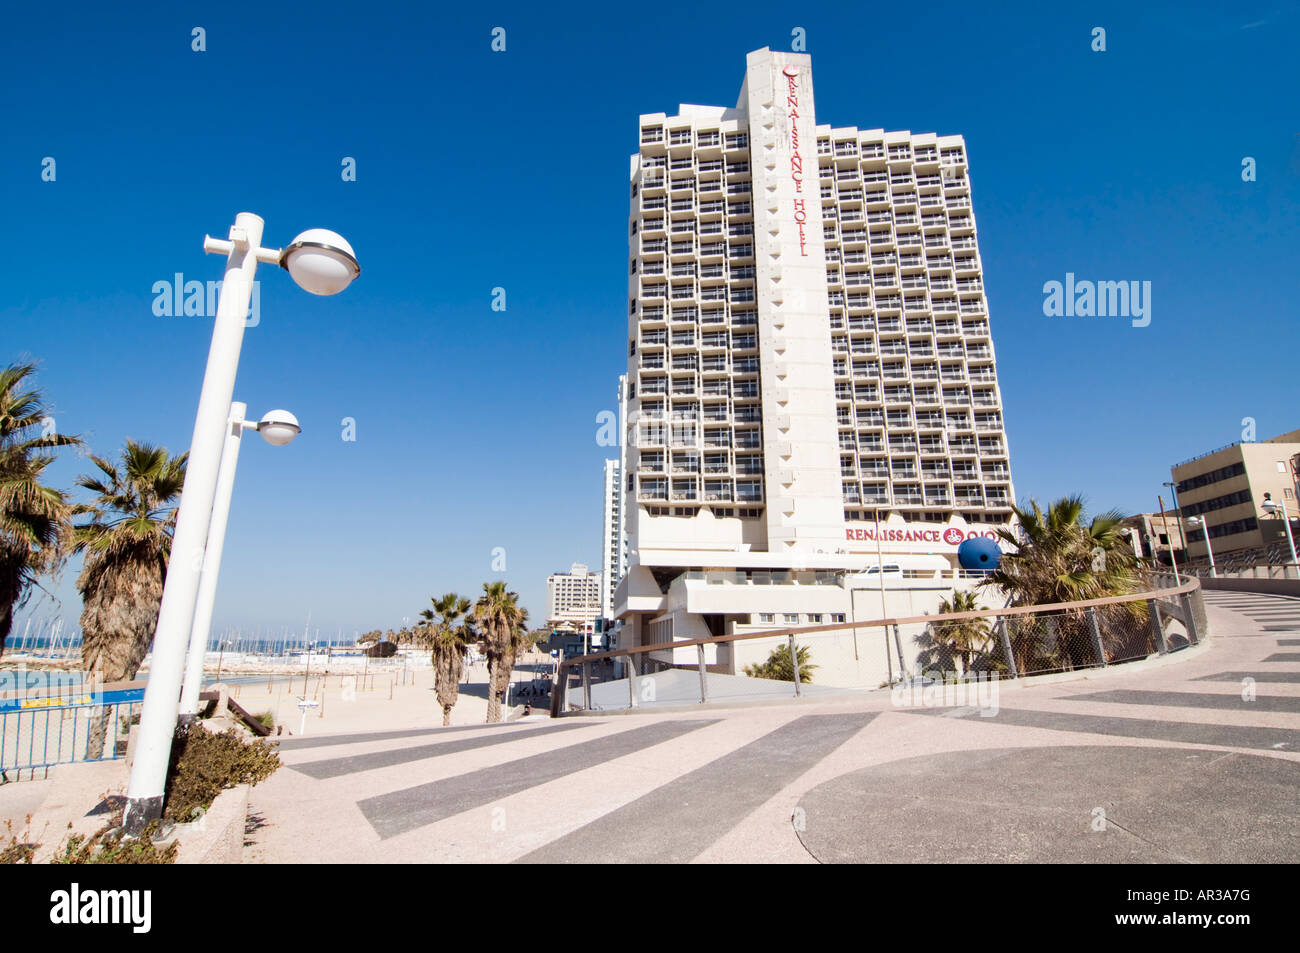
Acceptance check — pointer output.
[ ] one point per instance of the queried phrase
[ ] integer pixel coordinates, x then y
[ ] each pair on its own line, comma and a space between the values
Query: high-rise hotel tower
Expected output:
811, 381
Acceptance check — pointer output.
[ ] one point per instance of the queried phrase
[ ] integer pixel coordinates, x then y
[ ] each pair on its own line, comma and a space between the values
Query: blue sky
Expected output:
477, 429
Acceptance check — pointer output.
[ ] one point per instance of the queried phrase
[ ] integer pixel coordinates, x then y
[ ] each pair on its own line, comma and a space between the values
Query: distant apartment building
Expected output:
613, 537
1155, 536
1226, 488
613, 525
573, 598
812, 383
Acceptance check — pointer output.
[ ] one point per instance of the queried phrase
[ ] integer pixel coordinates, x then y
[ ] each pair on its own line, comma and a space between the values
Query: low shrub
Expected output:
203, 764
17, 851
108, 846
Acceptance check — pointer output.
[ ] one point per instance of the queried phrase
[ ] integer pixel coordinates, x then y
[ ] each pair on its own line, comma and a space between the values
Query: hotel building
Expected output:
811, 379
573, 599
1226, 488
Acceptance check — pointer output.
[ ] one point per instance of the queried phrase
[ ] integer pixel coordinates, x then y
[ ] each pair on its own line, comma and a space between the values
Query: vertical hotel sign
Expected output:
791, 74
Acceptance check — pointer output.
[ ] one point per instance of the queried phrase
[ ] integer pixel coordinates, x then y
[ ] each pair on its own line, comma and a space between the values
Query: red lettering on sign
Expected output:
796, 160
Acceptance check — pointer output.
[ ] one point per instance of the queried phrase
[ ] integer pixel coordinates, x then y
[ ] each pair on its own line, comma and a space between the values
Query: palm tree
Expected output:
502, 621
127, 542
778, 665
520, 642
447, 634
1058, 557
35, 520
959, 641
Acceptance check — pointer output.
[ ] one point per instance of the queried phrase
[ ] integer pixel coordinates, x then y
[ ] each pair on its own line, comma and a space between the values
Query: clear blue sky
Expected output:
475, 428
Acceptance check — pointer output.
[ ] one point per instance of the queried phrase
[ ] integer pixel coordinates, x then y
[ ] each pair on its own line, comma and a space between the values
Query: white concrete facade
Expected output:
573, 598
613, 539
811, 381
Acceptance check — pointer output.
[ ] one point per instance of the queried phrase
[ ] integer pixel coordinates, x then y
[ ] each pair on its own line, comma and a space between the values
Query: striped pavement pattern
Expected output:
716, 783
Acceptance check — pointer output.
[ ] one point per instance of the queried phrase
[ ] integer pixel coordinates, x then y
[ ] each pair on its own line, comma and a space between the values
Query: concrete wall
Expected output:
218, 836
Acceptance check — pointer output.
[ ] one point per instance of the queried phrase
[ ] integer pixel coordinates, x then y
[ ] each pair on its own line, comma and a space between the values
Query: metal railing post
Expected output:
1159, 627
704, 675
631, 681
586, 687
1192, 635
1006, 647
794, 662
898, 644
1096, 636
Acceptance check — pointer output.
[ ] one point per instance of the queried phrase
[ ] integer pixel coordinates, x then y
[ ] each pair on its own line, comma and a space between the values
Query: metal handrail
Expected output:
1190, 586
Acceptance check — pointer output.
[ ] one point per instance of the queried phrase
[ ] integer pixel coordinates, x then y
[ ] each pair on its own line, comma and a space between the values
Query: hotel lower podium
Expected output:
811, 376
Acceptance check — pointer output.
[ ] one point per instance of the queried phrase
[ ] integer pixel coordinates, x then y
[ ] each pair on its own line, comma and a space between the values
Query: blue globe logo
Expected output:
979, 552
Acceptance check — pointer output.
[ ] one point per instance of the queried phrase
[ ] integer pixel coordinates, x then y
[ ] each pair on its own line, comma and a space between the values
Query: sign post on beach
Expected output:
304, 705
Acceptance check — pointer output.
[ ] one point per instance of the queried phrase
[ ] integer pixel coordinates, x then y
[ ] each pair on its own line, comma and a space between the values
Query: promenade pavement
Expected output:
1191, 757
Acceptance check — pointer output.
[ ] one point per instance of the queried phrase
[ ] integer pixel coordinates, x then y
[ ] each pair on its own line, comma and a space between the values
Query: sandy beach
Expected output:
385, 694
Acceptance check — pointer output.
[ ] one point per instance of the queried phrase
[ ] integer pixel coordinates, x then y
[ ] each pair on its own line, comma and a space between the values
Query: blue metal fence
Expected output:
34, 739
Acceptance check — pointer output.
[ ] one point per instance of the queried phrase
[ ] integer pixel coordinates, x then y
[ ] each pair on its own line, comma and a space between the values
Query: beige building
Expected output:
573, 599
1226, 488
1153, 535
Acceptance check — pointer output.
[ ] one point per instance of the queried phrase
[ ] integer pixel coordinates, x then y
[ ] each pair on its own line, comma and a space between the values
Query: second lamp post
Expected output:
277, 428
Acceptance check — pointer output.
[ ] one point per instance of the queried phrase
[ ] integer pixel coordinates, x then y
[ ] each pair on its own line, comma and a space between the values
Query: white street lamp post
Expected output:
277, 428
322, 263
1197, 521
1269, 506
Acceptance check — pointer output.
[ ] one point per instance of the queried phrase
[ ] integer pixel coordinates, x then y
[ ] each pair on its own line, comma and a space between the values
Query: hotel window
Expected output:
791, 618
768, 617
